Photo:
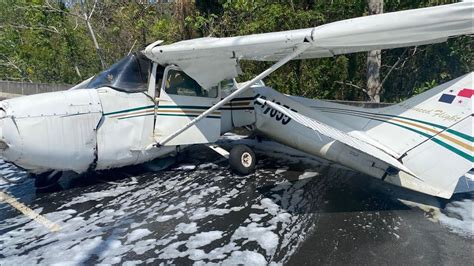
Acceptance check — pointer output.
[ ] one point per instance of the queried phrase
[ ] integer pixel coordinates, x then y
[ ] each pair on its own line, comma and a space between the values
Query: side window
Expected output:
227, 84
178, 83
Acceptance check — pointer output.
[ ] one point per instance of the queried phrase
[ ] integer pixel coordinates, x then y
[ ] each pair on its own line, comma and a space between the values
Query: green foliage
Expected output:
40, 43
426, 86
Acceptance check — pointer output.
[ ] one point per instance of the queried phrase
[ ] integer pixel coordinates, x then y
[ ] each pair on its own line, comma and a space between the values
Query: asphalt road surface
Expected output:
294, 210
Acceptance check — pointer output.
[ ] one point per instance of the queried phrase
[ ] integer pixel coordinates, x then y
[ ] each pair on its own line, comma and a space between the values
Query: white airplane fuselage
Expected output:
96, 129
84, 130
69, 131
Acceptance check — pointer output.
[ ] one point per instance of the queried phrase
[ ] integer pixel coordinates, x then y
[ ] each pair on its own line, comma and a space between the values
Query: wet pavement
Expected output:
295, 210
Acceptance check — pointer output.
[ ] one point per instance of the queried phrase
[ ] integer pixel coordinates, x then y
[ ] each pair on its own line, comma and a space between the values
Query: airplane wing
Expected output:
211, 60
340, 136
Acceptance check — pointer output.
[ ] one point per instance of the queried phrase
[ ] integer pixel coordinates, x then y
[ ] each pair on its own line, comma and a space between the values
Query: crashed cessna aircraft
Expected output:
153, 104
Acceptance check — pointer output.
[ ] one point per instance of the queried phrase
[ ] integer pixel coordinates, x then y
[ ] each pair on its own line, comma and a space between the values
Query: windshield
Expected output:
129, 74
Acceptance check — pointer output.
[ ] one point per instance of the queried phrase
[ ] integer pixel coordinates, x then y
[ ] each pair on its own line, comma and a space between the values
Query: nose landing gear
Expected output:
47, 180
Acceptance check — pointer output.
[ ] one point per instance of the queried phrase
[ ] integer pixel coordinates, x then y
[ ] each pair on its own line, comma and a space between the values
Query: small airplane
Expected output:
157, 102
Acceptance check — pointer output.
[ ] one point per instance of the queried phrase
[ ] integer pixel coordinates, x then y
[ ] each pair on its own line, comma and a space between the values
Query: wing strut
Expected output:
300, 49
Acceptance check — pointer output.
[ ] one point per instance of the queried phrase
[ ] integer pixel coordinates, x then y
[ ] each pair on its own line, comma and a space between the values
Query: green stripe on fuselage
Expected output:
454, 132
184, 107
184, 115
430, 137
159, 107
439, 142
461, 135
130, 110
180, 115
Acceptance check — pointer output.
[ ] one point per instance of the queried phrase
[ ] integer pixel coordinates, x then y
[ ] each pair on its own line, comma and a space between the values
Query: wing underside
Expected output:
220, 56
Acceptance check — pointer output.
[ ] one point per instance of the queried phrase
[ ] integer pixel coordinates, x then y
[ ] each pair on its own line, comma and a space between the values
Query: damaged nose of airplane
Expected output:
3, 143
10, 141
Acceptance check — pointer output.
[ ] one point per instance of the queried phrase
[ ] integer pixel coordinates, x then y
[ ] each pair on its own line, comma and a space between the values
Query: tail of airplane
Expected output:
431, 134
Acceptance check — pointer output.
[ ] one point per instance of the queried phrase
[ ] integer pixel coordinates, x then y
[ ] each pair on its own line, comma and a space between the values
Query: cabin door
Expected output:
182, 99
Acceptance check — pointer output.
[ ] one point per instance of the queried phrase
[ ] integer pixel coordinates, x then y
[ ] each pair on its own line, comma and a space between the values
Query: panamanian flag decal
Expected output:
462, 97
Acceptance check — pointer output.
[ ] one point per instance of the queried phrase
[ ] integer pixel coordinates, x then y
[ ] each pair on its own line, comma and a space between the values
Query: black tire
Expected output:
242, 160
47, 180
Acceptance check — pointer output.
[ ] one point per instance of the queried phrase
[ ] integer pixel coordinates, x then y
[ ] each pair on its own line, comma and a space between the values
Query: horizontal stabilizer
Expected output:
338, 135
465, 183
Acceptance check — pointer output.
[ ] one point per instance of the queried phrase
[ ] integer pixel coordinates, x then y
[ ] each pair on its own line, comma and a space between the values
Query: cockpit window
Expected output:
129, 74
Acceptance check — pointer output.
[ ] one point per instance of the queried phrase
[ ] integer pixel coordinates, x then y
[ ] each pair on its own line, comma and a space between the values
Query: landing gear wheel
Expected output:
46, 180
242, 160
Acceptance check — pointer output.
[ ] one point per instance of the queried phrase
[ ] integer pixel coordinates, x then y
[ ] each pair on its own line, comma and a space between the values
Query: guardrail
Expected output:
25, 88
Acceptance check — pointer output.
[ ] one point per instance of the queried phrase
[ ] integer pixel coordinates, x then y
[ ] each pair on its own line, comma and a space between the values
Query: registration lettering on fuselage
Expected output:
278, 116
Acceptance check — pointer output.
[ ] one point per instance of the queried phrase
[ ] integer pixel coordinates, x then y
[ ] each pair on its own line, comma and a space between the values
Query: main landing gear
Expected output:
241, 158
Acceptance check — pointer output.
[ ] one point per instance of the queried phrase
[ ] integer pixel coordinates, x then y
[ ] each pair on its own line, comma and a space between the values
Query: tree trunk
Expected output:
77, 71
374, 59
87, 17
96, 44
184, 8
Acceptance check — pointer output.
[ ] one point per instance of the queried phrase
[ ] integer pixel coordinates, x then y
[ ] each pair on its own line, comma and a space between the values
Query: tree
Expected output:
374, 59
183, 10
85, 15
87, 19
49, 41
